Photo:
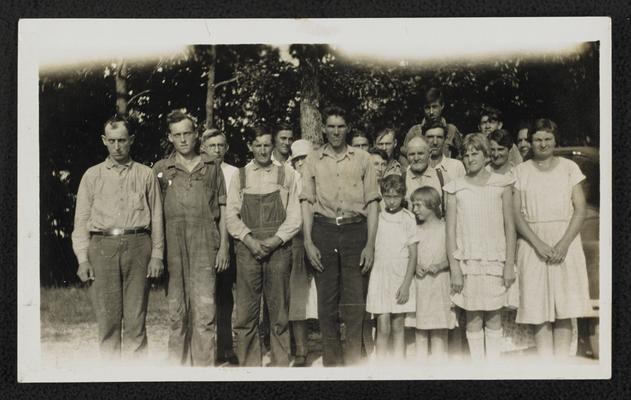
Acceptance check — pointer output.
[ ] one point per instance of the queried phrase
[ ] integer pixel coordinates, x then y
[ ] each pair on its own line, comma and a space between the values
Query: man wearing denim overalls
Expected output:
263, 214
197, 247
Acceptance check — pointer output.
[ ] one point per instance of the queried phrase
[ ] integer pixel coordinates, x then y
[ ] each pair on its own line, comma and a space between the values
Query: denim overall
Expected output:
262, 214
192, 240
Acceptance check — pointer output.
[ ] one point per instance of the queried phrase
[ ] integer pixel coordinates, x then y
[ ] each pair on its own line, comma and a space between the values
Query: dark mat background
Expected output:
619, 387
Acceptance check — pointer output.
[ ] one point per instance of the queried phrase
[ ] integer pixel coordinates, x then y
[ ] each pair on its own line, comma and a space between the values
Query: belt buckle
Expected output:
117, 232
337, 220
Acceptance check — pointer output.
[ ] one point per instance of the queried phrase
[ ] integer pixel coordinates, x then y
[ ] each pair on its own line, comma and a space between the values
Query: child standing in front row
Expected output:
481, 246
434, 312
389, 294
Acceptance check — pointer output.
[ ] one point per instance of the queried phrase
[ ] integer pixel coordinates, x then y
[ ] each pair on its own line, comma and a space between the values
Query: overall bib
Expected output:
192, 240
262, 214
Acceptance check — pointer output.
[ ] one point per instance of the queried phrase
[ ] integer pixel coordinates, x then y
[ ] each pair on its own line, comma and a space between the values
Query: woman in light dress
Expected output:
481, 247
549, 207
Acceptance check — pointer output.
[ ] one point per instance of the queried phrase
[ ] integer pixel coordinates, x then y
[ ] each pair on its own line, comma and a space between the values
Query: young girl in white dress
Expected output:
550, 210
389, 294
434, 312
481, 247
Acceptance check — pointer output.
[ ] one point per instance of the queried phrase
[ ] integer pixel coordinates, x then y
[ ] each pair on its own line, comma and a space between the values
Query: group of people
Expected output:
442, 236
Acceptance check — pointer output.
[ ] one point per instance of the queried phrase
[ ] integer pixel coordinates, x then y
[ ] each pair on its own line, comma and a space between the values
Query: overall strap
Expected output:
281, 176
441, 179
242, 178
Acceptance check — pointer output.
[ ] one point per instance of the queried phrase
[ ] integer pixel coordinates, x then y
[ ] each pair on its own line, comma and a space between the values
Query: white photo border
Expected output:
35, 36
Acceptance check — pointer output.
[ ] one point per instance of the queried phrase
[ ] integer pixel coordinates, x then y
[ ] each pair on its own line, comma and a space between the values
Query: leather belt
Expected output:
119, 232
339, 220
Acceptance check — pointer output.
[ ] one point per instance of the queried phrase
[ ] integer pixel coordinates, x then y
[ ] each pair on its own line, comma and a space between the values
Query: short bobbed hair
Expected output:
502, 137
546, 125
430, 198
379, 152
477, 141
393, 182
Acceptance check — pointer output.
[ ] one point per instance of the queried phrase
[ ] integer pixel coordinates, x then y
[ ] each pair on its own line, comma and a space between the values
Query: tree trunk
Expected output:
121, 87
310, 119
210, 87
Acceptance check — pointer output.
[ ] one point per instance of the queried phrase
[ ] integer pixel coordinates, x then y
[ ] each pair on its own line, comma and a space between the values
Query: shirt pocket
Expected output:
138, 201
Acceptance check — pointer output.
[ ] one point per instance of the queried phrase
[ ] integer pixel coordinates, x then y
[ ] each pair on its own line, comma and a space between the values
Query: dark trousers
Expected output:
120, 291
269, 278
225, 305
341, 289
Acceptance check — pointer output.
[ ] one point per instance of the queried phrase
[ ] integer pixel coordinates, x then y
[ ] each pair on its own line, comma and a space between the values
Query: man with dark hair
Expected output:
433, 109
283, 139
434, 133
339, 202
491, 120
118, 240
214, 143
263, 215
386, 140
360, 140
194, 198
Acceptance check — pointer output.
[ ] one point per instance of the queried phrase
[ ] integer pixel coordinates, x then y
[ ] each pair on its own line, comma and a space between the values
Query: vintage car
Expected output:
588, 159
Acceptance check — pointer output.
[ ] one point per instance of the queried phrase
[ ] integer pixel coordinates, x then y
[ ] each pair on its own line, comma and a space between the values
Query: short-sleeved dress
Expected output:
395, 232
559, 291
433, 303
481, 244
303, 297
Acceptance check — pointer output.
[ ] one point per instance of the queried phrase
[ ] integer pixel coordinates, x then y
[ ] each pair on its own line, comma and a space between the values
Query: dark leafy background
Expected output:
254, 84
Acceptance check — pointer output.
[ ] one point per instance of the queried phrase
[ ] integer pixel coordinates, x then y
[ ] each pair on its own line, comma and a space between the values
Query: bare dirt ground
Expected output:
69, 332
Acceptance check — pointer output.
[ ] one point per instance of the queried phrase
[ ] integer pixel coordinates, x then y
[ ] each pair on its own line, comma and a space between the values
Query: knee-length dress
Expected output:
303, 297
481, 244
395, 232
558, 291
433, 303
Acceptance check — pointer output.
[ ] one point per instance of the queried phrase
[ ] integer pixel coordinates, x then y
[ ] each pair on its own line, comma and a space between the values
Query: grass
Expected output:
71, 305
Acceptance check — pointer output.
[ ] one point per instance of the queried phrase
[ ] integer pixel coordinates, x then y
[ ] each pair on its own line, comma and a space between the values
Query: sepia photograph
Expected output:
225, 200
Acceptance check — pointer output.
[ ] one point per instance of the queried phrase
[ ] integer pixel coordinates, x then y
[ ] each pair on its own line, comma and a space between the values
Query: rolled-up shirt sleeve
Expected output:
307, 187
154, 198
293, 220
371, 187
234, 224
81, 234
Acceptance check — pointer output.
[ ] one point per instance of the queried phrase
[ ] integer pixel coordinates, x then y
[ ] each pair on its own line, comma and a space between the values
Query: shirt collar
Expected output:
442, 121
328, 150
206, 159
109, 163
426, 174
257, 167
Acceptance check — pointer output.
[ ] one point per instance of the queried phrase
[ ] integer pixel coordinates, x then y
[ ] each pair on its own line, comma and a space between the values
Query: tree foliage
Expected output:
262, 83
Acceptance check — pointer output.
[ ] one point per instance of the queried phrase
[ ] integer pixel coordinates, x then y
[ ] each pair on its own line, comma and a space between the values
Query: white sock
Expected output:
494, 341
476, 344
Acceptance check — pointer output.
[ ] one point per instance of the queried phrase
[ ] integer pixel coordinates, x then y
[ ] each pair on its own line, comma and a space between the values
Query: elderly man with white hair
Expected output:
419, 173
